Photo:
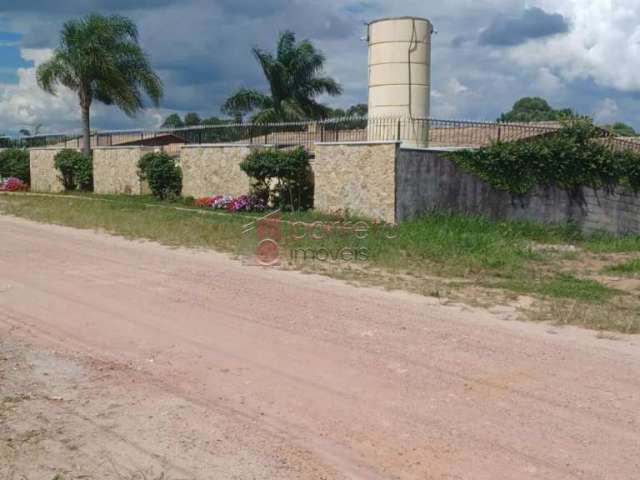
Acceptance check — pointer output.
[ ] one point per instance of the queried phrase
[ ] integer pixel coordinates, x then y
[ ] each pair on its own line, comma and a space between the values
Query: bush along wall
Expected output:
280, 178
570, 159
14, 163
76, 170
162, 173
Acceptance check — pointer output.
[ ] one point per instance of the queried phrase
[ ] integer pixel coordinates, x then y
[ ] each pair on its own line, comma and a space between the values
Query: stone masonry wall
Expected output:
115, 170
44, 176
214, 169
356, 177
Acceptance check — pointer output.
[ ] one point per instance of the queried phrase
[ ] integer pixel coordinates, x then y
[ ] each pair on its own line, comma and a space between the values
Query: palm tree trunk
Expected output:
85, 106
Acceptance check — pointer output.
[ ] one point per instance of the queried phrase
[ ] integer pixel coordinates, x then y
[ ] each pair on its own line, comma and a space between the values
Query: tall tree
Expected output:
191, 119
173, 121
534, 109
622, 129
99, 58
359, 110
295, 78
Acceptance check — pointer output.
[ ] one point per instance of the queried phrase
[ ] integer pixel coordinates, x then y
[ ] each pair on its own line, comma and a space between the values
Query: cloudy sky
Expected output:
583, 54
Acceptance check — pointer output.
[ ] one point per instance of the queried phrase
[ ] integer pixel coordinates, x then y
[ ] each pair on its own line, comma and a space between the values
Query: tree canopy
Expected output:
173, 121
622, 129
295, 78
535, 109
191, 119
99, 58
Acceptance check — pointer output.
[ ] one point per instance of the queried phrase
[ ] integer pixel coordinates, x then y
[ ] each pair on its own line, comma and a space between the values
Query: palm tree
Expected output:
295, 78
99, 58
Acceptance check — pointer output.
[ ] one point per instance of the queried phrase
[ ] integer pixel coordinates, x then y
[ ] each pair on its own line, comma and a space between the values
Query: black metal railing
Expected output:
432, 133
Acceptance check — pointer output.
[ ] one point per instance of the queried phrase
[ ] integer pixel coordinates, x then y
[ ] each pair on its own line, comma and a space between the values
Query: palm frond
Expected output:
245, 100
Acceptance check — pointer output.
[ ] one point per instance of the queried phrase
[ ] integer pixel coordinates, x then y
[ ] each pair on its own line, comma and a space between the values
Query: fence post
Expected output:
499, 133
399, 133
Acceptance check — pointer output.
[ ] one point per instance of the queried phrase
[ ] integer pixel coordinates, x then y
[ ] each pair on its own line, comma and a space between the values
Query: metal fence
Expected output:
421, 132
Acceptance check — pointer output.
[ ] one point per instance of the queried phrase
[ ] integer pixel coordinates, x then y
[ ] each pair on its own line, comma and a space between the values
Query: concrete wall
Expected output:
214, 169
356, 177
44, 176
427, 181
115, 170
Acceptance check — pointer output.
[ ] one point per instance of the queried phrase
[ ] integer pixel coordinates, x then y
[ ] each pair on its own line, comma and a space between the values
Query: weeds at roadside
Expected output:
630, 268
457, 257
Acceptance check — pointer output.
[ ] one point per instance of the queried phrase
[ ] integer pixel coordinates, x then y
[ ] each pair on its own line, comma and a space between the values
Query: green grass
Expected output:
461, 250
448, 244
630, 268
606, 243
562, 286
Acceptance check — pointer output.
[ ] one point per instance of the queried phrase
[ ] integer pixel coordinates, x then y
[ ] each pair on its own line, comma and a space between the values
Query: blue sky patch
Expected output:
10, 59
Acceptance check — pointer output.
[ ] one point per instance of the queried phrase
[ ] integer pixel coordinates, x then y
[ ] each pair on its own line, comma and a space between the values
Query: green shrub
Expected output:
76, 169
571, 158
162, 174
281, 178
14, 162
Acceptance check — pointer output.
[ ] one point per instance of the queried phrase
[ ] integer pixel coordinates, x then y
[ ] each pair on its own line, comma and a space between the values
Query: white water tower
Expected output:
400, 77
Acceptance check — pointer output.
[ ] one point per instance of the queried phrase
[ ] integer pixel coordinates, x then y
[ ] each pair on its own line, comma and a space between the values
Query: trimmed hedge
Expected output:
14, 162
162, 174
76, 170
281, 178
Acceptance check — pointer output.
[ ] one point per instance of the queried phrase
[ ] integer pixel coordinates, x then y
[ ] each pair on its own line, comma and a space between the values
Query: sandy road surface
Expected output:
338, 382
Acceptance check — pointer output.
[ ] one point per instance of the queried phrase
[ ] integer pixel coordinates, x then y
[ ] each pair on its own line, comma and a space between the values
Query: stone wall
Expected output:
214, 169
115, 170
356, 177
44, 176
428, 181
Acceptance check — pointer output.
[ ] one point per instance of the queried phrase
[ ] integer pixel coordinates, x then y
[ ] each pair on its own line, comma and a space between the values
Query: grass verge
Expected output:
461, 257
630, 268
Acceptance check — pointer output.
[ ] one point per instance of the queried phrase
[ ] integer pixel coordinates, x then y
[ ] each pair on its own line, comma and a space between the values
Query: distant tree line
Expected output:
192, 119
536, 109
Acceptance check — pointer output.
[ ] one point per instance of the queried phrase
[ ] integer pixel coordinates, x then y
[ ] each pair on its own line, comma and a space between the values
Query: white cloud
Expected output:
449, 101
607, 111
598, 58
548, 82
603, 44
25, 104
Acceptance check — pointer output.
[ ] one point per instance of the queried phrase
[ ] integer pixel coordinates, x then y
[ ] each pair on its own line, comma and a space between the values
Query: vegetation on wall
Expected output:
14, 162
571, 158
76, 169
162, 174
281, 178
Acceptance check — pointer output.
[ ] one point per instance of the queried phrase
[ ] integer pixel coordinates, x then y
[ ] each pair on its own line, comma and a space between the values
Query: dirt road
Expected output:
189, 362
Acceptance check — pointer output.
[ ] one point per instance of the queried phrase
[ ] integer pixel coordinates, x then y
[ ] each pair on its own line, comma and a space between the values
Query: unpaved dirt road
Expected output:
129, 354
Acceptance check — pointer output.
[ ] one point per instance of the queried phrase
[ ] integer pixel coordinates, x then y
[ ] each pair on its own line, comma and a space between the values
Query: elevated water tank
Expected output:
400, 74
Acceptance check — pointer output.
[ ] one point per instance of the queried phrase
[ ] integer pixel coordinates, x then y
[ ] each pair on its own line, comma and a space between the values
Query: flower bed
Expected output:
12, 184
243, 203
